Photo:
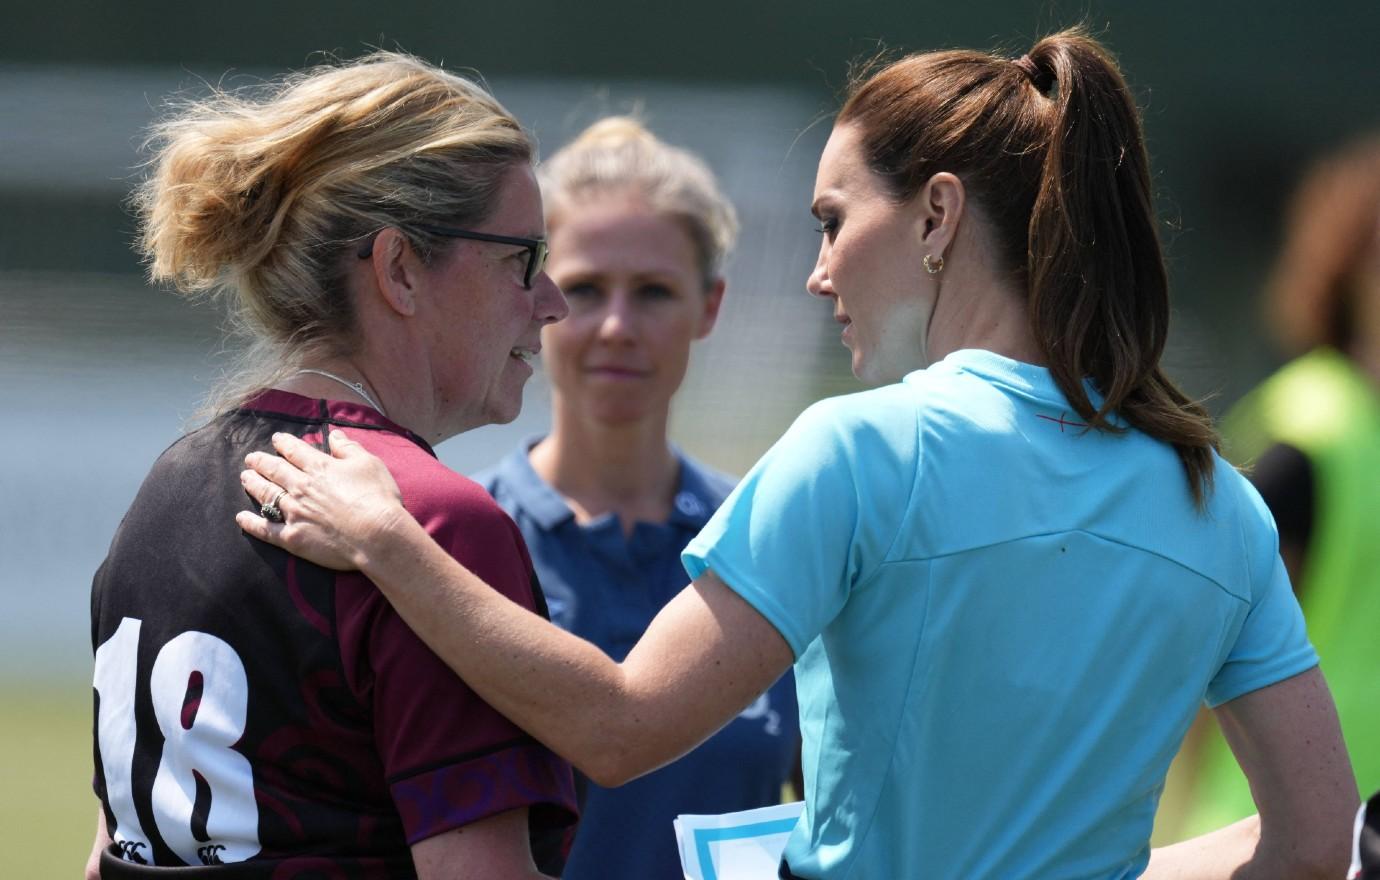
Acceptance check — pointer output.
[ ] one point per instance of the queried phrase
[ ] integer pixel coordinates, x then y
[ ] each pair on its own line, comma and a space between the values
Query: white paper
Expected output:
735, 846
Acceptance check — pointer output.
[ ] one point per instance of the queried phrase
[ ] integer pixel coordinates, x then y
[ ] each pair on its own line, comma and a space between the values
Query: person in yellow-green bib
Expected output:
1310, 435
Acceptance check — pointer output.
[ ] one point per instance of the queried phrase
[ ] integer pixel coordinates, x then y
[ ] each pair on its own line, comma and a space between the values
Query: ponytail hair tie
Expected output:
1040, 78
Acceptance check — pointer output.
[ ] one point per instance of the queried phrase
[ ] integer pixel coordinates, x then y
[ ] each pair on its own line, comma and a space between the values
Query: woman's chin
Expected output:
611, 407
872, 373
862, 368
616, 414
502, 410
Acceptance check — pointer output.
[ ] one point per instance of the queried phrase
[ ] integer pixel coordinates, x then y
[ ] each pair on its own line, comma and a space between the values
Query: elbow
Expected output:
606, 775
626, 742
611, 767
619, 755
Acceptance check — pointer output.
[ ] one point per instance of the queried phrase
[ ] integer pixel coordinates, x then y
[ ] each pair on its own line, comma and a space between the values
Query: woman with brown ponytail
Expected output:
1007, 576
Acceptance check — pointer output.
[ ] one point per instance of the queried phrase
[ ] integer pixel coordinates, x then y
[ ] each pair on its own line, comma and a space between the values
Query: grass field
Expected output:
47, 810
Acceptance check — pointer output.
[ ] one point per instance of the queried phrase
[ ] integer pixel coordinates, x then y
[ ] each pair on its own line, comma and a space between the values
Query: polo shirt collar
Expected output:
531, 493
691, 508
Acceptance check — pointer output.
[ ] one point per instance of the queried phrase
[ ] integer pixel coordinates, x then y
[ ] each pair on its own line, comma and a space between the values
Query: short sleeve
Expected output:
1272, 644
812, 519
449, 757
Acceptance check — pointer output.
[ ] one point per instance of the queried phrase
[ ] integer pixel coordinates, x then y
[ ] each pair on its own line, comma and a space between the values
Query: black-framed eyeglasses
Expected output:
536, 247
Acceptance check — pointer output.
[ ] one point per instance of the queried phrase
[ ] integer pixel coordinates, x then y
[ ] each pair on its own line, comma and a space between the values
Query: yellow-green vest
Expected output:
1323, 406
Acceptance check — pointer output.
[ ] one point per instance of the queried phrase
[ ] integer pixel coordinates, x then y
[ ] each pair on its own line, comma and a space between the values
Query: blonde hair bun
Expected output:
264, 194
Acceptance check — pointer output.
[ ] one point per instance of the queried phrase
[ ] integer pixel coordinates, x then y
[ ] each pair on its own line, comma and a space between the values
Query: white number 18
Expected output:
203, 747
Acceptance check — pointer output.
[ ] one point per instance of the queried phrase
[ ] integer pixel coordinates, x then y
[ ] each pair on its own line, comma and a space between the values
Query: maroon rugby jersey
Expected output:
265, 717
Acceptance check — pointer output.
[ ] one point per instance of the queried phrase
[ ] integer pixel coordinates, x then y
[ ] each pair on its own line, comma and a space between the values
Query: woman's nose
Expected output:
819, 277
548, 304
618, 321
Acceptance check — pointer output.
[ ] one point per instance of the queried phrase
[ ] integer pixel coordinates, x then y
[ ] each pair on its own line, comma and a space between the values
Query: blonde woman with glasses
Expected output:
377, 230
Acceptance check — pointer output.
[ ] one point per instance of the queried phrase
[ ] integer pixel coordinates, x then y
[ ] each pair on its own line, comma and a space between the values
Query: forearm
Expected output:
496, 846
561, 689
1236, 852
1220, 855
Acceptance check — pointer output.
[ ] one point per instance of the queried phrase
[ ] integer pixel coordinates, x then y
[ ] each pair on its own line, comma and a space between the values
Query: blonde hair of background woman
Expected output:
618, 156
263, 195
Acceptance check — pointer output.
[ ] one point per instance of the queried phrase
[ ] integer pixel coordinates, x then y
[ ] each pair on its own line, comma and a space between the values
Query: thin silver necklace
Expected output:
356, 387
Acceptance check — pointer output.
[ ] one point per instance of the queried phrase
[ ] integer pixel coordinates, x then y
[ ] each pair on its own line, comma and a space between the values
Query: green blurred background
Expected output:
98, 372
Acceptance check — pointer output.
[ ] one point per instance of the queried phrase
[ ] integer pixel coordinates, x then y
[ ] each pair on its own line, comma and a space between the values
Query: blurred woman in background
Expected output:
1310, 437
1007, 577
378, 232
639, 231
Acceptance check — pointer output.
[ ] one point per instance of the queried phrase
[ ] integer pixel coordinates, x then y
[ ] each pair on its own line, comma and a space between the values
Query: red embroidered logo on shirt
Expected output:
1062, 422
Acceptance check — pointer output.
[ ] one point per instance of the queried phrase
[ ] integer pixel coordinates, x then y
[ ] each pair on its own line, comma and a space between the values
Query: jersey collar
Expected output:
340, 413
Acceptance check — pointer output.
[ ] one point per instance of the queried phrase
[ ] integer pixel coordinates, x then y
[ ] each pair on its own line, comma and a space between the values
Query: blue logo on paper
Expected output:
706, 836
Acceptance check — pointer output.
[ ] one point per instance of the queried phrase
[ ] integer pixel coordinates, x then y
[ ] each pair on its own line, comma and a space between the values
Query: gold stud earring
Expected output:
933, 265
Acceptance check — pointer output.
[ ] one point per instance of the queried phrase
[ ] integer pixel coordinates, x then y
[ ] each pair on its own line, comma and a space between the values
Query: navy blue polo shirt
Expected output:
606, 588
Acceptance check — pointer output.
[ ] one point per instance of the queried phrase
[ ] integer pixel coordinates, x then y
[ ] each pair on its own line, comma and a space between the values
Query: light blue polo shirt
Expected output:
1003, 624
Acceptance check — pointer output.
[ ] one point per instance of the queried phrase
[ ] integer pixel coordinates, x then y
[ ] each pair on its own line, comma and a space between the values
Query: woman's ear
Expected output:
940, 205
397, 271
713, 299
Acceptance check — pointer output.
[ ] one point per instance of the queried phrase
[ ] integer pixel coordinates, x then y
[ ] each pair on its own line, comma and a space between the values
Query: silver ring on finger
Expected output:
270, 510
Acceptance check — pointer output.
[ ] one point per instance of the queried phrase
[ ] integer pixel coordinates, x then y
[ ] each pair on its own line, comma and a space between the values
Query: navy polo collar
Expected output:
691, 508
530, 492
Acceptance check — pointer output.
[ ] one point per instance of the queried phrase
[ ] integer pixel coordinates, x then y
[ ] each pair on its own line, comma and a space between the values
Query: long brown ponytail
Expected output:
1050, 147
